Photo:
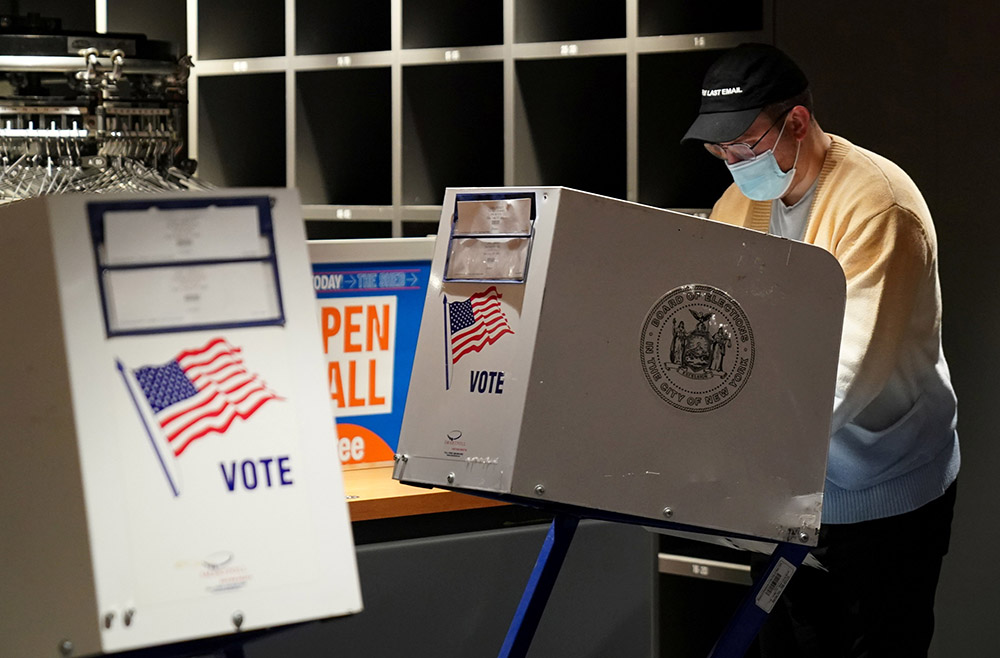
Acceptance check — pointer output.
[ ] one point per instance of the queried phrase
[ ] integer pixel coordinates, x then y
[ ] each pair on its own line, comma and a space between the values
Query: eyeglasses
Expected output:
740, 150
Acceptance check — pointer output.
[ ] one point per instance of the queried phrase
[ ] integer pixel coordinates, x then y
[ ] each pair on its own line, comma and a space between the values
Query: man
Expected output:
894, 454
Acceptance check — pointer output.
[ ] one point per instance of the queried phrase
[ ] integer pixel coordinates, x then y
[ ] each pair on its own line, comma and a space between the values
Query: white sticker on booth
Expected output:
776, 582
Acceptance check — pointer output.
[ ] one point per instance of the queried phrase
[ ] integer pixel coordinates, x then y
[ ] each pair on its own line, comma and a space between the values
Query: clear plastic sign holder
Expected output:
171, 265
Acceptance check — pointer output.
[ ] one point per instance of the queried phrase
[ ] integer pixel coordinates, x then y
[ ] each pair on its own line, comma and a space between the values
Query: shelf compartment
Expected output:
338, 229
568, 20
570, 124
237, 29
672, 175
73, 16
241, 130
452, 129
163, 21
658, 18
415, 229
343, 136
452, 23
342, 26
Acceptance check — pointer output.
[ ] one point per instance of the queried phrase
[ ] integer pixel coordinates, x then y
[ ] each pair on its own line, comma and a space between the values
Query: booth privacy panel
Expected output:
190, 438
654, 365
726, 421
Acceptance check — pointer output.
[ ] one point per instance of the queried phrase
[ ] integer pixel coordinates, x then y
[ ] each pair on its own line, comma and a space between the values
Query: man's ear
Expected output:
798, 122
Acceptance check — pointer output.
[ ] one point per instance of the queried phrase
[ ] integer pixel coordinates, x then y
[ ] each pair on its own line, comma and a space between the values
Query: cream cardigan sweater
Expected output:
893, 446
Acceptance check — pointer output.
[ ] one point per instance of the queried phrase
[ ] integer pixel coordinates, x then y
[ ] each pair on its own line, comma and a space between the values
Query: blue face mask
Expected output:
761, 179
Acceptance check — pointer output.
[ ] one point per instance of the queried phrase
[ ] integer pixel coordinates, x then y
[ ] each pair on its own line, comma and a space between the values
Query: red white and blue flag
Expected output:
201, 391
475, 323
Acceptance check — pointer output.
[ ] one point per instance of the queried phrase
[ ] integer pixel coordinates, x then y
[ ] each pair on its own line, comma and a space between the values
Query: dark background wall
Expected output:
918, 82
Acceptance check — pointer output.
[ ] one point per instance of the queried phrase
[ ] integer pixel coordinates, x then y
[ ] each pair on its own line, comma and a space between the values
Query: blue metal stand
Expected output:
536, 593
757, 604
735, 639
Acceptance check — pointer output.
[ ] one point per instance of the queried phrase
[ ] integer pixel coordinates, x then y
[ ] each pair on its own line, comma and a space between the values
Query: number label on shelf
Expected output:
699, 570
568, 49
699, 42
241, 66
343, 213
452, 55
344, 60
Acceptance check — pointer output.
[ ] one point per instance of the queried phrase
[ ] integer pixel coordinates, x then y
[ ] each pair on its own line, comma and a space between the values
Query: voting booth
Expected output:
584, 351
170, 465
605, 359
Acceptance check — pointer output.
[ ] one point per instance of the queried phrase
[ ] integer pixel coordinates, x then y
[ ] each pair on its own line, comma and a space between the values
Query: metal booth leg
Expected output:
758, 603
539, 587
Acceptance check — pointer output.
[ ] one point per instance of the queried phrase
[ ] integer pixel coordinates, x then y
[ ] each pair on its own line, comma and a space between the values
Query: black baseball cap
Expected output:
738, 85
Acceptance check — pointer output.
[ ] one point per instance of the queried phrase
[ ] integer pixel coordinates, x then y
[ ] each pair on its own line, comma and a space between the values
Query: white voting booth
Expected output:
170, 465
626, 359
621, 361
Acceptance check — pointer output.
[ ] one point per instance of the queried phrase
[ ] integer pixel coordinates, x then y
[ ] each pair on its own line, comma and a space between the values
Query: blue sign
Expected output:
370, 318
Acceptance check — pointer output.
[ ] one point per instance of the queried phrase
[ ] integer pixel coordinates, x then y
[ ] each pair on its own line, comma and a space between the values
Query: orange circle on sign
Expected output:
376, 449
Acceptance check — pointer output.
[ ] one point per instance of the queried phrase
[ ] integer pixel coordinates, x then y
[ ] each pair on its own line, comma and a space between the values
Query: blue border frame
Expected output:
96, 211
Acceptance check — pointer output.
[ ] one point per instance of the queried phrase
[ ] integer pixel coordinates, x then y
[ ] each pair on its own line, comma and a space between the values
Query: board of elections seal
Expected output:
697, 348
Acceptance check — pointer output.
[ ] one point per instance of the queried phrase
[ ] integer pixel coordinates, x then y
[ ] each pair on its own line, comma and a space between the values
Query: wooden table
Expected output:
373, 494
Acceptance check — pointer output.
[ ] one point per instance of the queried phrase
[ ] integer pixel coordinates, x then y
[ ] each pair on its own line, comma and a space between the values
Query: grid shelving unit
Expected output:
373, 107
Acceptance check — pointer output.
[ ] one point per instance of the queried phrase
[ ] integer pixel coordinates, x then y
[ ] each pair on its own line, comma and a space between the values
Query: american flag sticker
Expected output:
473, 325
199, 392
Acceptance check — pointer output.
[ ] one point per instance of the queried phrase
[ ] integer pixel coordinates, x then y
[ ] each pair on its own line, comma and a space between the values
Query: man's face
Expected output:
763, 134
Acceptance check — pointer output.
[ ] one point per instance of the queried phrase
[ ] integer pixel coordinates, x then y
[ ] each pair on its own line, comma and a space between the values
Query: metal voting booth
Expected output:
170, 466
605, 359
170, 469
